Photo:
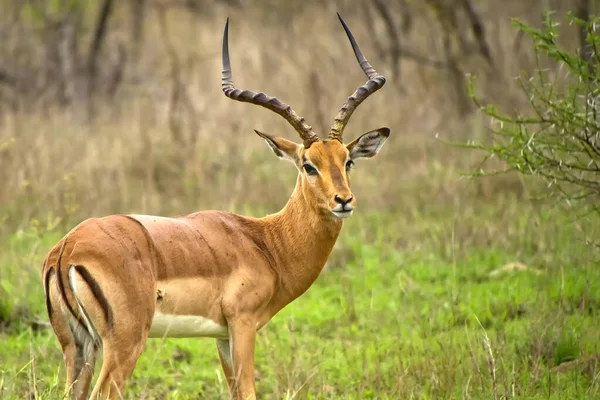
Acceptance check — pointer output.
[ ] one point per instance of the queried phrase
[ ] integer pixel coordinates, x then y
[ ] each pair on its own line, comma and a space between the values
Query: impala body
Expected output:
113, 282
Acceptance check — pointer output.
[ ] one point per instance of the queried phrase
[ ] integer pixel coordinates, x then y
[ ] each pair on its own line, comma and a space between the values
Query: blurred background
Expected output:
109, 107
116, 107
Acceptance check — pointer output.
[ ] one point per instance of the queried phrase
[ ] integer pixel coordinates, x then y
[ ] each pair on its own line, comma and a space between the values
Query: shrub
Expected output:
558, 137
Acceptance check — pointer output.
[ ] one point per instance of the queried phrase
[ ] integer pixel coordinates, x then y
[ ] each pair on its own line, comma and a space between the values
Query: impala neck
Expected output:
302, 238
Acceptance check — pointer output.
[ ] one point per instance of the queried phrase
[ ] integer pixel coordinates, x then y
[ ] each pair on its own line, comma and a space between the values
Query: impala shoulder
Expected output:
248, 292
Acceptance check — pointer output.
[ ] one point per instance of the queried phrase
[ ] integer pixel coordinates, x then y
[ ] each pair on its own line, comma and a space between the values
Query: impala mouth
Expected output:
342, 212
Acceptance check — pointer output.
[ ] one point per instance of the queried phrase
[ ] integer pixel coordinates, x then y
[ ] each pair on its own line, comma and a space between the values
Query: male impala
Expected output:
113, 282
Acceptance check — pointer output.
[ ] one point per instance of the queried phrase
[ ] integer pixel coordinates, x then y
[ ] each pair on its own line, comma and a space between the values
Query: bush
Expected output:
558, 138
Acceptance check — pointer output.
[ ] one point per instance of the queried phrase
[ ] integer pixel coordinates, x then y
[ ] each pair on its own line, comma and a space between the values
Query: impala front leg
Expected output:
243, 340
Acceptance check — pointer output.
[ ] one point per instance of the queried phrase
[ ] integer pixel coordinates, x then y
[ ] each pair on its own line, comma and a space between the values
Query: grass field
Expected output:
452, 322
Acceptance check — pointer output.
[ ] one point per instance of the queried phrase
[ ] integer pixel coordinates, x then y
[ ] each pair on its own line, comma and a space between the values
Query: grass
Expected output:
388, 324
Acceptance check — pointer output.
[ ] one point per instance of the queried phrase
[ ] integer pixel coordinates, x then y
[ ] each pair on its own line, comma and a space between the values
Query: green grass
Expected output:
386, 323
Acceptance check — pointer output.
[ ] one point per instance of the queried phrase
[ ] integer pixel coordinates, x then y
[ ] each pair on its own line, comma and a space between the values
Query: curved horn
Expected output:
262, 99
375, 82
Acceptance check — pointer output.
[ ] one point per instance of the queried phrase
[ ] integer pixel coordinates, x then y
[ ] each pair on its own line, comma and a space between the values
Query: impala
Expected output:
113, 282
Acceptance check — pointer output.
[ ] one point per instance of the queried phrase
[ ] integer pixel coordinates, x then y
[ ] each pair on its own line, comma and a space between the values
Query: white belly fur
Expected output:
181, 326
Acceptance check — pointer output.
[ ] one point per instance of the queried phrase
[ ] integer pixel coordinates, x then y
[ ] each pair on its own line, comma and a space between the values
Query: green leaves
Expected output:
558, 137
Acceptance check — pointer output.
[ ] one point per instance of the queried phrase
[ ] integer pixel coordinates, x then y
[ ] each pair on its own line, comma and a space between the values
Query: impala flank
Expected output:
113, 282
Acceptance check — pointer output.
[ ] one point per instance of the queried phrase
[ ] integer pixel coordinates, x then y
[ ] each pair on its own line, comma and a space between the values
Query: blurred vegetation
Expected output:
558, 136
134, 136
441, 285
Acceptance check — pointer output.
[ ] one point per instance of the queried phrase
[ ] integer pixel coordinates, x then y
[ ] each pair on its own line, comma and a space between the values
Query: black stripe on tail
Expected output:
97, 291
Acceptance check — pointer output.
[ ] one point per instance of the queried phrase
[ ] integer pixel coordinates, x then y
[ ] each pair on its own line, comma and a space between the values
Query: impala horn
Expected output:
375, 82
272, 103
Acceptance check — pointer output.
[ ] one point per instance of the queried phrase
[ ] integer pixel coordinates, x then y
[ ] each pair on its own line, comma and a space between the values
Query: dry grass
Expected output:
129, 158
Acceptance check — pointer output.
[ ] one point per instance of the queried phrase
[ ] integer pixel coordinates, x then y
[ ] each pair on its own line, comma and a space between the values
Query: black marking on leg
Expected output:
97, 292
63, 292
47, 292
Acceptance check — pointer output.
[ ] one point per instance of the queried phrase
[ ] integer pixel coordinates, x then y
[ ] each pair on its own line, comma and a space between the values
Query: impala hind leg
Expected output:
84, 364
224, 348
79, 351
123, 335
79, 355
120, 355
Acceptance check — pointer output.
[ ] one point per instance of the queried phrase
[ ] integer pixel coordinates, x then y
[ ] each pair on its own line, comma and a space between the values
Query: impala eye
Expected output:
350, 164
310, 170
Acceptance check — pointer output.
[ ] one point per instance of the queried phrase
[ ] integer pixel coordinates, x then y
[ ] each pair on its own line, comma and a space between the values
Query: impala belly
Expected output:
181, 326
178, 316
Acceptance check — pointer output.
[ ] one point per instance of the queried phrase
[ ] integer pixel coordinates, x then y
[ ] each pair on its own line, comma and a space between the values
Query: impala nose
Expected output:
343, 201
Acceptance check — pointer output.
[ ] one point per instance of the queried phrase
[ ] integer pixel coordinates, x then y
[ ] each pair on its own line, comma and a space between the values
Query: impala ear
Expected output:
368, 144
283, 148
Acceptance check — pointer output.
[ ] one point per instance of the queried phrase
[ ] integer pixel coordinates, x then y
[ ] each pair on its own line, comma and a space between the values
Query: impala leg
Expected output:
243, 339
123, 335
85, 363
69, 360
120, 357
79, 362
223, 346
77, 346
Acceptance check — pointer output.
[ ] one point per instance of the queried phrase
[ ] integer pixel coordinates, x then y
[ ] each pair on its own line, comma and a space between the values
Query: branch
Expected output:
138, 12
478, 30
180, 100
583, 13
97, 42
395, 49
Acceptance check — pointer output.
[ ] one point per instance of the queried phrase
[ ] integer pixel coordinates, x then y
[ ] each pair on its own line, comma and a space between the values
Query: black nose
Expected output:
342, 201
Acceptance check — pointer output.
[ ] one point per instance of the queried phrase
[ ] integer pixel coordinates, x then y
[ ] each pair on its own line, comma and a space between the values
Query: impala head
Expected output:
324, 165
